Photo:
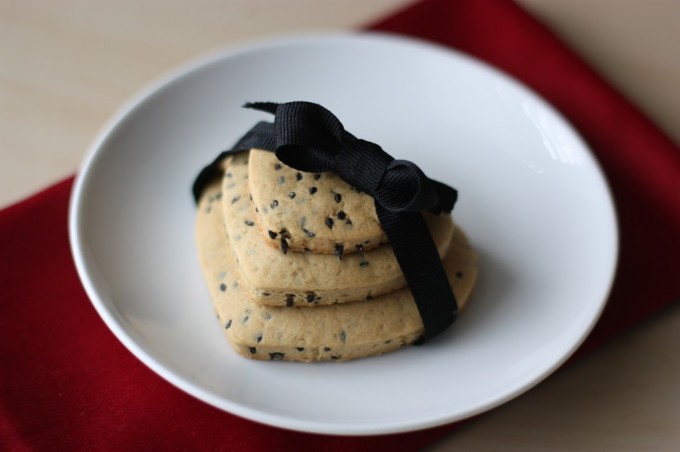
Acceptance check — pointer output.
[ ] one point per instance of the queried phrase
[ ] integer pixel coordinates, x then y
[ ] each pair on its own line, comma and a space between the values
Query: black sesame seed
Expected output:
335, 357
272, 234
308, 233
311, 297
284, 233
276, 356
274, 204
363, 264
317, 176
250, 223
300, 349
348, 222
235, 199
228, 325
250, 197
223, 287
337, 197
281, 180
284, 245
342, 215
265, 294
360, 248
343, 337
258, 338
339, 249
312, 190
277, 166
252, 350
326, 349
291, 195
290, 300
298, 176
245, 319
329, 222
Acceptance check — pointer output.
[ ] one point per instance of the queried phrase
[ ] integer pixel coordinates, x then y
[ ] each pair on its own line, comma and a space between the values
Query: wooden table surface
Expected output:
66, 65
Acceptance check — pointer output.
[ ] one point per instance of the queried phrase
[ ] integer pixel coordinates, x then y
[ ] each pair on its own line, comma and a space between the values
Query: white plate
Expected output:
532, 200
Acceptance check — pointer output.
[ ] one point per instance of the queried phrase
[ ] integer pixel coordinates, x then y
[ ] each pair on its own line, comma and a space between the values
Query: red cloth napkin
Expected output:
67, 383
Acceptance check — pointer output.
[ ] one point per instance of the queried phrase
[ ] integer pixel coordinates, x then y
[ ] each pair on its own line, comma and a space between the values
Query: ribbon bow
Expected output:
309, 138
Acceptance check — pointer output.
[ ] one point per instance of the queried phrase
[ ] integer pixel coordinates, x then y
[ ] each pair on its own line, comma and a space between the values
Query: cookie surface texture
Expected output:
335, 332
280, 276
318, 210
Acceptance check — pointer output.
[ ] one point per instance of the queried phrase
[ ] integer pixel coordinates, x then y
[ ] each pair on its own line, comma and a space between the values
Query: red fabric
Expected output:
67, 383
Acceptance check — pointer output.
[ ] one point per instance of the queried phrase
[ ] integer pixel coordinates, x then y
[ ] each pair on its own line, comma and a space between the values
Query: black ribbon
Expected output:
310, 138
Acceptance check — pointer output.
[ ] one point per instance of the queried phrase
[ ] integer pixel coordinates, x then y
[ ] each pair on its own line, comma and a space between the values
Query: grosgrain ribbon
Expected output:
309, 138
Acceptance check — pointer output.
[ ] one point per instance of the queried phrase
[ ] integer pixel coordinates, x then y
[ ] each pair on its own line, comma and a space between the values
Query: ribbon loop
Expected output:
361, 164
405, 188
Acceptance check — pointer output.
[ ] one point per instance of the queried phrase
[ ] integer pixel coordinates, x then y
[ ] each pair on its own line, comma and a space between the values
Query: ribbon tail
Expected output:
208, 174
446, 197
422, 267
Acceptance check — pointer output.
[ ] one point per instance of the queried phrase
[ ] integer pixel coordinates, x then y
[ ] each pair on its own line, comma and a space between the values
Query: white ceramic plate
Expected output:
532, 200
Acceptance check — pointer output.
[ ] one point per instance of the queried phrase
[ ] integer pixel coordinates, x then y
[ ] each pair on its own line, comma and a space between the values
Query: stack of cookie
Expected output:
299, 268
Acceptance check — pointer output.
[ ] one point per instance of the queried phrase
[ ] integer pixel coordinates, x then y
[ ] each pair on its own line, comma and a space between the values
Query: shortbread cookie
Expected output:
319, 212
335, 332
282, 277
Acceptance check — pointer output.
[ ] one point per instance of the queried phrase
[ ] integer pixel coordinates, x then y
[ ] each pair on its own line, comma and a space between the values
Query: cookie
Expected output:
282, 277
319, 212
334, 332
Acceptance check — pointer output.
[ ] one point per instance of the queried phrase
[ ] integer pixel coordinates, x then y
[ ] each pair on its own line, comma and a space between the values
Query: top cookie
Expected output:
320, 212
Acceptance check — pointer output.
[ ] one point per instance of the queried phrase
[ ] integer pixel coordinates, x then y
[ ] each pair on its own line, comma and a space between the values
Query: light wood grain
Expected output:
65, 66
